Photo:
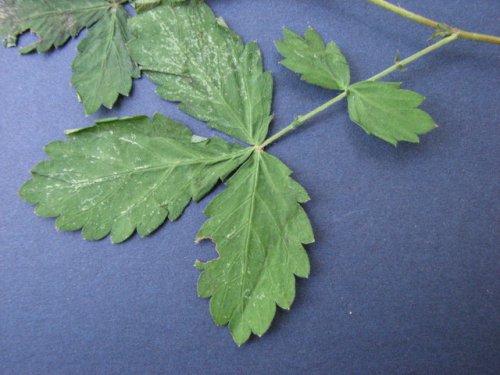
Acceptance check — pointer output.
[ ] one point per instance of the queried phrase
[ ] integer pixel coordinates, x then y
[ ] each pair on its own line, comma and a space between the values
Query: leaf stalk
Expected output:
299, 120
415, 56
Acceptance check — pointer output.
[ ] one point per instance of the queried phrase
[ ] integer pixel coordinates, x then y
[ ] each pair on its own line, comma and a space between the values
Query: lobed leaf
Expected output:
198, 61
388, 112
319, 64
259, 228
53, 21
104, 69
128, 174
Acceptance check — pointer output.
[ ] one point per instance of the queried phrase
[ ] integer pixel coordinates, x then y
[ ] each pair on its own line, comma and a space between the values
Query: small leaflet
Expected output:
103, 70
317, 63
388, 112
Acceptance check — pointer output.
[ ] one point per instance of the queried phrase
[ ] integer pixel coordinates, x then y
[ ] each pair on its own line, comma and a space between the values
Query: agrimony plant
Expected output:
132, 174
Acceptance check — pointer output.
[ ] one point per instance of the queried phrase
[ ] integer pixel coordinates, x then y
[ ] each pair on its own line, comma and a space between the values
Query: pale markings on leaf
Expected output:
259, 229
125, 174
198, 61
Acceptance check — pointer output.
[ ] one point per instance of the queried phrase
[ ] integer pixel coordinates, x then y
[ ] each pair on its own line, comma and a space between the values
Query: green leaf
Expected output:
259, 228
318, 64
103, 69
144, 5
388, 112
54, 21
122, 175
198, 61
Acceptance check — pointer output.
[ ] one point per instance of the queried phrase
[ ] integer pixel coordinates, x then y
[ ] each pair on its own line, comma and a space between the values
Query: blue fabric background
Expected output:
405, 268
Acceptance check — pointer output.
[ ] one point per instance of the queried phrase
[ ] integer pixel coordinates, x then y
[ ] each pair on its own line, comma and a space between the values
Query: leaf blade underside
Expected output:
198, 61
259, 229
125, 175
317, 63
103, 69
54, 22
388, 112
144, 5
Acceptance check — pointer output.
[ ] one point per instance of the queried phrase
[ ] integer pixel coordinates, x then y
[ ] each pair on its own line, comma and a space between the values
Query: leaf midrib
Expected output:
246, 250
216, 90
130, 172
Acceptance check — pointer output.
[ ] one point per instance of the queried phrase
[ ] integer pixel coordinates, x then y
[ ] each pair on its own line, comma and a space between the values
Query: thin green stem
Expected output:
462, 34
415, 56
299, 120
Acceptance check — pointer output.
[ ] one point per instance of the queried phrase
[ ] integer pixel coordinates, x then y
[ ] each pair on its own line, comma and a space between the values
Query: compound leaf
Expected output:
122, 175
54, 21
103, 69
198, 61
319, 64
388, 112
259, 228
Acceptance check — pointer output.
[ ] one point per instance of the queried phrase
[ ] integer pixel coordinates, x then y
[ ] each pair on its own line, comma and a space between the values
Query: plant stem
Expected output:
462, 34
299, 120
414, 57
